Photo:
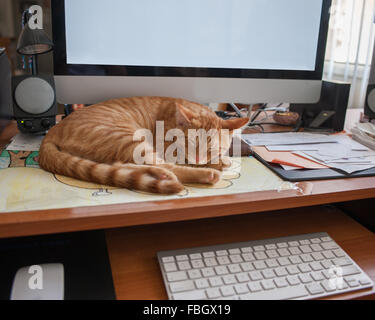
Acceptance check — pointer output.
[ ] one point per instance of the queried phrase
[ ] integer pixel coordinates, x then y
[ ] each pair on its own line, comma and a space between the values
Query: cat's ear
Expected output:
234, 124
183, 116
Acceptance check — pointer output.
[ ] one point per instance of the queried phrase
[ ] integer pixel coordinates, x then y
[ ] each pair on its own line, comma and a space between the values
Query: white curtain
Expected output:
350, 46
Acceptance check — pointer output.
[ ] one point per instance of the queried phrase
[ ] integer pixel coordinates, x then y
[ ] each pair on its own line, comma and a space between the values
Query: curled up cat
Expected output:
96, 144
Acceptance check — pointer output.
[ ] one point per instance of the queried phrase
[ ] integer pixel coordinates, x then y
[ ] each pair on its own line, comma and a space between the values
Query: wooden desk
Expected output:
136, 272
132, 214
132, 250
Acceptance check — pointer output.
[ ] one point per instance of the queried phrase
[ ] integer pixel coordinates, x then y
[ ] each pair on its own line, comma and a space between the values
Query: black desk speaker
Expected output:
330, 112
5, 87
370, 95
34, 104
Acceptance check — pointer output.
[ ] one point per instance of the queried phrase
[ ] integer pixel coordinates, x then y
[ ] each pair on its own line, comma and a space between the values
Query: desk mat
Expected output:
24, 186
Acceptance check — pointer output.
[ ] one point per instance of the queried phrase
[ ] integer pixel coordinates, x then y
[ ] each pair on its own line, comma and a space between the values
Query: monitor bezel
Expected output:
61, 67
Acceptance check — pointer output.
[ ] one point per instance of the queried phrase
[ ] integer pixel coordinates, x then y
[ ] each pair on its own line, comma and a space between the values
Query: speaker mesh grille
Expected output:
34, 95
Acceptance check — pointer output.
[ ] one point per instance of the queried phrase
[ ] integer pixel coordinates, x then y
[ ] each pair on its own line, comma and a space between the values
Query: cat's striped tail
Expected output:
130, 176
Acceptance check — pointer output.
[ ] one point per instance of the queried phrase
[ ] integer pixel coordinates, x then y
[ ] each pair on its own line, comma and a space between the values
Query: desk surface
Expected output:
136, 272
131, 214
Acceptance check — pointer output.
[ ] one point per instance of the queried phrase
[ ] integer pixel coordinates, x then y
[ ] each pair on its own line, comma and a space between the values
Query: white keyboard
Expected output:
299, 267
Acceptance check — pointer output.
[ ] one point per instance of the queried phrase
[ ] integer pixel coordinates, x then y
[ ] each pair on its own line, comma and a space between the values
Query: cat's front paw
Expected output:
209, 176
166, 181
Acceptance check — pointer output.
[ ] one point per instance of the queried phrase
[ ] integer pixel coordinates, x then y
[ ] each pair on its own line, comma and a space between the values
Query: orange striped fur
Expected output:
96, 144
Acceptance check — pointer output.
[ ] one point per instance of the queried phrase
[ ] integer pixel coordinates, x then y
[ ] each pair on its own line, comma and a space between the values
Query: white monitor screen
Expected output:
230, 34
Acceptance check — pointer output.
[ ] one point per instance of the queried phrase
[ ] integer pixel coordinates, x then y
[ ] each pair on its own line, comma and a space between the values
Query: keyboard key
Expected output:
222, 253
316, 240
229, 279
234, 251
259, 248
255, 275
305, 278
295, 259
194, 274
260, 255
329, 286
184, 265
176, 276
247, 249
339, 253
304, 242
268, 274
305, 249
182, 286
280, 294
293, 244
364, 281
227, 291
201, 283
208, 254
208, 272
283, 261
235, 258
241, 288
293, 280
168, 267
167, 259
210, 262
197, 264
242, 277
327, 264
182, 257
195, 256
316, 247
317, 256
295, 250
220, 270
254, 286
272, 263
325, 239
306, 257
215, 281
280, 272
342, 262
247, 266
329, 245
272, 254
213, 293
292, 269
280, 282
353, 284
316, 266
271, 246
267, 284
192, 295
282, 245
248, 257
223, 260
259, 265
304, 267
328, 254
283, 252
234, 268
314, 288
317, 276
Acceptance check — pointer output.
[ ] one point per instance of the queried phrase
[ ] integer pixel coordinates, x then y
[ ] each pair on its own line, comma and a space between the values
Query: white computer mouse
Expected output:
39, 282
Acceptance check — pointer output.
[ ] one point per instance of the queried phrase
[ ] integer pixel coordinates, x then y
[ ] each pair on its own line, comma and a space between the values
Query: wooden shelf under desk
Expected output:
136, 272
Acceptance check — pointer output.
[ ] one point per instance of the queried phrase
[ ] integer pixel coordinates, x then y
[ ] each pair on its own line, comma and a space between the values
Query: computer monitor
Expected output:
244, 51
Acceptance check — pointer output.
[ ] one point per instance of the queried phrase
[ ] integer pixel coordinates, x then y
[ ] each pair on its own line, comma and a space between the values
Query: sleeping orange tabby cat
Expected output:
96, 144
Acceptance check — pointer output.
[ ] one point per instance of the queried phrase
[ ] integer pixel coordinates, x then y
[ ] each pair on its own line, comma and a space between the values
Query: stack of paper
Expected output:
317, 151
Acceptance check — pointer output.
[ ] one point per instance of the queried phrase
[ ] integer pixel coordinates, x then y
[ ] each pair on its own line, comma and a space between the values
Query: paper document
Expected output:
288, 138
25, 142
